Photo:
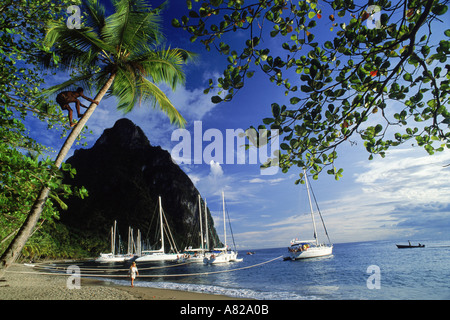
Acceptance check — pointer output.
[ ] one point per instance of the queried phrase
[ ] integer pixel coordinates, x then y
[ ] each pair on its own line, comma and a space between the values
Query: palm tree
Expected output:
121, 56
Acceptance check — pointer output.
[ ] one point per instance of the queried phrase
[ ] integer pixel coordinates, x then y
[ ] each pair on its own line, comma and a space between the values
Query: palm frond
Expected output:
75, 47
78, 81
82, 38
164, 66
83, 80
95, 15
131, 90
150, 92
124, 88
133, 27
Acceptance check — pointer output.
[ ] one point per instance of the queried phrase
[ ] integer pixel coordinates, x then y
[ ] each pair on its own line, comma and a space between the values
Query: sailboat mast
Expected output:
311, 207
129, 241
206, 226
161, 224
114, 242
200, 216
224, 221
138, 243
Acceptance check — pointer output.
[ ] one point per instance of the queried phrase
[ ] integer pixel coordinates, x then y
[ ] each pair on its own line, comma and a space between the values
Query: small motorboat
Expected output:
409, 245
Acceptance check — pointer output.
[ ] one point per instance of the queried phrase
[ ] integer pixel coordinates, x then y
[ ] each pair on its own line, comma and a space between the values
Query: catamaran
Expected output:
222, 255
160, 255
301, 249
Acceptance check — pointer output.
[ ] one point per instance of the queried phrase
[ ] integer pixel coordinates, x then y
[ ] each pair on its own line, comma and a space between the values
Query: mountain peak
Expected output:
124, 134
125, 176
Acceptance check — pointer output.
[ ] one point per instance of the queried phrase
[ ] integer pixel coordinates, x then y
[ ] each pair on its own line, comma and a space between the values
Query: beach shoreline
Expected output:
23, 282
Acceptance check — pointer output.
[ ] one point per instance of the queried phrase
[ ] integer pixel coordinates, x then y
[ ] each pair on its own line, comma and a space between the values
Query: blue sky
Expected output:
404, 196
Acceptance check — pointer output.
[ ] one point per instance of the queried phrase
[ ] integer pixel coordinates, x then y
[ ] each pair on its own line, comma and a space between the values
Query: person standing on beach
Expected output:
133, 273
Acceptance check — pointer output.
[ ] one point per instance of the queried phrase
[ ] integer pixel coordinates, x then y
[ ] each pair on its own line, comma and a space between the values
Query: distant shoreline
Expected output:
26, 283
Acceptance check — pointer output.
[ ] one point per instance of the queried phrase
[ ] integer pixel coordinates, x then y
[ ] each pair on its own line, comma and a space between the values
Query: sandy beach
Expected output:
26, 283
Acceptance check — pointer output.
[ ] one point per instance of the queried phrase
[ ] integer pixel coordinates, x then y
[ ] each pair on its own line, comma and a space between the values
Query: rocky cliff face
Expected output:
125, 175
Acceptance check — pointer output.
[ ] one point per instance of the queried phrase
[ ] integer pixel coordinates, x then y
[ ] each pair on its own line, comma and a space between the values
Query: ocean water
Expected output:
374, 270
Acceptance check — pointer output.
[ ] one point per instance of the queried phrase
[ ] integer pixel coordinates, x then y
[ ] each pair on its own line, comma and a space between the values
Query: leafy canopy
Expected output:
374, 71
23, 170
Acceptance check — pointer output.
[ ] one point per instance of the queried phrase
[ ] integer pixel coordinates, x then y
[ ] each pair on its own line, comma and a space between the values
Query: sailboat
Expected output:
197, 254
159, 255
222, 255
302, 249
134, 247
112, 256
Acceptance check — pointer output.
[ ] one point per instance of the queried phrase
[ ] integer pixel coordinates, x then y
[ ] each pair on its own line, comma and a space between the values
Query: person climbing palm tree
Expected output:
125, 59
66, 97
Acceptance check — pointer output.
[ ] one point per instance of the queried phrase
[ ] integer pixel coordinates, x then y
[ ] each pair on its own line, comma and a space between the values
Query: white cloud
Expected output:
391, 195
272, 181
409, 174
216, 169
192, 104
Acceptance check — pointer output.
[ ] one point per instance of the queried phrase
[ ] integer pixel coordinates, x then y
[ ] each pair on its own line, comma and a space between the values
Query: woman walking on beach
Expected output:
133, 273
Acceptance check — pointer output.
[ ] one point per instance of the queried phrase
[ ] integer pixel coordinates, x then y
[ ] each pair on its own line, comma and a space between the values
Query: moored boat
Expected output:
159, 255
409, 245
112, 256
222, 255
302, 249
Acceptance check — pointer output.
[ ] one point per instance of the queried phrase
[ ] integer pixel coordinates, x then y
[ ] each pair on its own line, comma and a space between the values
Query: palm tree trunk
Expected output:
15, 247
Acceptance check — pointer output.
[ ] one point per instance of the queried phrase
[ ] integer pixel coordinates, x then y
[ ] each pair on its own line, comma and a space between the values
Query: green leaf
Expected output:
216, 3
285, 146
268, 120
294, 100
439, 9
328, 45
216, 99
407, 77
306, 89
275, 110
176, 23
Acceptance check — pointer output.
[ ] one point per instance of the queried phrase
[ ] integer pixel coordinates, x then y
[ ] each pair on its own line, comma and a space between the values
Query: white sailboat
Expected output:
302, 249
159, 255
198, 254
134, 247
112, 256
222, 255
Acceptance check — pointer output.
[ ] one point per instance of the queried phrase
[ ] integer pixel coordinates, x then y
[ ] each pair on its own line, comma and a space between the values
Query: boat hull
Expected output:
222, 258
312, 252
158, 257
401, 246
196, 259
109, 257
